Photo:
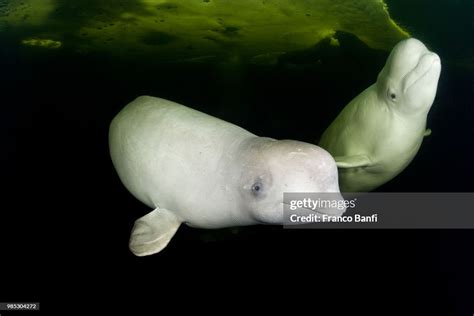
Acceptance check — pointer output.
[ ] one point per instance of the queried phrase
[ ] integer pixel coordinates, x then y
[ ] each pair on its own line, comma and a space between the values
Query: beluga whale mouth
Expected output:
428, 62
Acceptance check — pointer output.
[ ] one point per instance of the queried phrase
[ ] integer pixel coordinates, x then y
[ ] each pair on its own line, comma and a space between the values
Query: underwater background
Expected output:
281, 69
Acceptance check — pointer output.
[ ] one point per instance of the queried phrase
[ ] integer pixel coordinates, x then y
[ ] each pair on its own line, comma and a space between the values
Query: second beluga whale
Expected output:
379, 132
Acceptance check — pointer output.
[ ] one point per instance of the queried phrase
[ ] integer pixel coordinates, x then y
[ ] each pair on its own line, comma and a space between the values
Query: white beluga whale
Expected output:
380, 131
199, 170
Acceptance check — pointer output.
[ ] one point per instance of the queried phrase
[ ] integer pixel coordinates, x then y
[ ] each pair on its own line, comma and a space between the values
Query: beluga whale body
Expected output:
380, 131
196, 169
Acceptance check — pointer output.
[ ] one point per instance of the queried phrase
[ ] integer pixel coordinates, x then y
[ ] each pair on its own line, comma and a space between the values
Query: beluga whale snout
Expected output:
196, 169
428, 68
380, 131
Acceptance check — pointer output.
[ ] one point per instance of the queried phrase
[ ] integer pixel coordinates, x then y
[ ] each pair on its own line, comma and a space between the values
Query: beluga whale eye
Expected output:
392, 95
257, 188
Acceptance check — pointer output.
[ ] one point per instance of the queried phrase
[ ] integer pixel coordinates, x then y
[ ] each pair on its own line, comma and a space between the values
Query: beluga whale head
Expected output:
273, 168
409, 80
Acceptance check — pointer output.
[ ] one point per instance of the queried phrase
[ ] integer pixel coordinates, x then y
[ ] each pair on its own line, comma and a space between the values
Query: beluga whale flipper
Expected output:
380, 131
196, 169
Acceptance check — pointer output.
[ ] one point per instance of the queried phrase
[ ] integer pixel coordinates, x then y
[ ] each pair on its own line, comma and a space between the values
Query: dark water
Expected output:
65, 217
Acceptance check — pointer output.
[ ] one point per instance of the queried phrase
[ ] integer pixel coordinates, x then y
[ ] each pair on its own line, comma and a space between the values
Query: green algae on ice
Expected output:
190, 29
42, 42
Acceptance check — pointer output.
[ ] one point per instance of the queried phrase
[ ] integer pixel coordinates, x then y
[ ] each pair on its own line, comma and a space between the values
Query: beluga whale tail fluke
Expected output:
196, 169
379, 132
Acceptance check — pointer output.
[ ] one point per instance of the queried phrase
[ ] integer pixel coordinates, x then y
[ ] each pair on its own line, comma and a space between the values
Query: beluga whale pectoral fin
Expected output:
152, 232
353, 161
427, 132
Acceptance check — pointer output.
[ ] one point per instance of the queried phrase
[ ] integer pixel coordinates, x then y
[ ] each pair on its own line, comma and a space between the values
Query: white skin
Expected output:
379, 132
207, 173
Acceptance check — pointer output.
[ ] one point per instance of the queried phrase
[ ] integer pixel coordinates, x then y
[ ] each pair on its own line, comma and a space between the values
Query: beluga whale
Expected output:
192, 168
377, 135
